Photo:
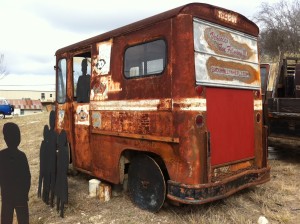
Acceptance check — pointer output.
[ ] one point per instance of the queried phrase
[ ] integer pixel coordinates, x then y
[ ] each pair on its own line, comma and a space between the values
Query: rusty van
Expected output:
170, 104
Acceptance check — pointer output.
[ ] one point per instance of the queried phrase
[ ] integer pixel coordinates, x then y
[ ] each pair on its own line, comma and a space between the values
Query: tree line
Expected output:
279, 25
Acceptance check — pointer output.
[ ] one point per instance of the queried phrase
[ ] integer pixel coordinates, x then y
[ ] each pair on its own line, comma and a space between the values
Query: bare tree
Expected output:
3, 71
280, 27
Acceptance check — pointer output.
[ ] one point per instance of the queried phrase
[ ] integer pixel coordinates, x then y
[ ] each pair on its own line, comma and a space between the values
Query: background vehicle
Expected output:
282, 101
5, 108
171, 102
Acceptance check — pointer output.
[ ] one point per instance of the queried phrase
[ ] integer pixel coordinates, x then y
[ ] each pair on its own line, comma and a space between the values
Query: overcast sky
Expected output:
32, 30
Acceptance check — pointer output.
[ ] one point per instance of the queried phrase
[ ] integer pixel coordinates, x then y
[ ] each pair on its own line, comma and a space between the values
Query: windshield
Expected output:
224, 57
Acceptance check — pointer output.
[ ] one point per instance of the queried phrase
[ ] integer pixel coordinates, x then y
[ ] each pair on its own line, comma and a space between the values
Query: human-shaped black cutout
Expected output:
15, 177
61, 187
44, 179
83, 84
51, 155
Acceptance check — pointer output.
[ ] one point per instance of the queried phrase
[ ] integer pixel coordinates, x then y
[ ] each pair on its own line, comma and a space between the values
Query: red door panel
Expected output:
230, 120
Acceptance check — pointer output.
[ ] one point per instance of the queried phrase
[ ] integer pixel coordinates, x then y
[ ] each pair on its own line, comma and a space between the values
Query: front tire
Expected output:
146, 183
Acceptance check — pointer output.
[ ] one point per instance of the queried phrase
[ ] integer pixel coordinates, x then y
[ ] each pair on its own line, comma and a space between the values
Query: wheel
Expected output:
2, 116
146, 183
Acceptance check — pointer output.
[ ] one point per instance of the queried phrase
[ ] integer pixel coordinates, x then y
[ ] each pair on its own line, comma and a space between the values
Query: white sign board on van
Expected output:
224, 57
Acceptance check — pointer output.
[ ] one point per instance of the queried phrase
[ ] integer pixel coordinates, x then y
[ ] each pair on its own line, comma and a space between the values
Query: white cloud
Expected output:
32, 30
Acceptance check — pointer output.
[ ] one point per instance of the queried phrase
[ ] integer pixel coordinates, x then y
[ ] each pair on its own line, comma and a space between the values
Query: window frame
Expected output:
144, 43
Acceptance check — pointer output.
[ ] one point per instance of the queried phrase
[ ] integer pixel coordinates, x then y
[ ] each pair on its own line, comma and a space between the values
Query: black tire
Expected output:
146, 183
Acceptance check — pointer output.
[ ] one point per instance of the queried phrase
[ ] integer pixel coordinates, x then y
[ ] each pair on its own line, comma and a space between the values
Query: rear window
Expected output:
145, 59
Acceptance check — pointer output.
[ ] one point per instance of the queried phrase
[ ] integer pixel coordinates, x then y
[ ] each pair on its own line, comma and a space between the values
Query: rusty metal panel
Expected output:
219, 173
135, 122
82, 147
200, 194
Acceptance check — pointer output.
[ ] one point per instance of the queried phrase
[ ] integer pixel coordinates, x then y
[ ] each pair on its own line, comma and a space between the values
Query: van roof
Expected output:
201, 10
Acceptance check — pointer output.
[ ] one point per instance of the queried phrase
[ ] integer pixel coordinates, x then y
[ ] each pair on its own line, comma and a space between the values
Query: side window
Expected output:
81, 77
145, 59
61, 80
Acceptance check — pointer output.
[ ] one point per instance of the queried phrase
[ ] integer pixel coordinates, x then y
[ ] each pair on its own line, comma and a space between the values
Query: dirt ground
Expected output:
277, 200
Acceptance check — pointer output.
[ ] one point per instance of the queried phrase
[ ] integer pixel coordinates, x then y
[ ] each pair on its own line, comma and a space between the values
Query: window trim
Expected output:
148, 75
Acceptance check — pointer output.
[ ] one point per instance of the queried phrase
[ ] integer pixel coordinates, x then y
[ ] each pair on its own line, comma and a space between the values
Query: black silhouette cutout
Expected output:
44, 177
83, 84
52, 158
15, 177
61, 186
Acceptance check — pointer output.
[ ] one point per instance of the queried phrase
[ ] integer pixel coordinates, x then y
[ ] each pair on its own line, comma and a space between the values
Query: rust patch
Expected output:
222, 172
102, 85
165, 104
133, 122
203, 193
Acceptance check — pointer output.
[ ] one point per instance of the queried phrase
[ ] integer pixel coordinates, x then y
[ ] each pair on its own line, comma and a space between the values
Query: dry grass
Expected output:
278, 200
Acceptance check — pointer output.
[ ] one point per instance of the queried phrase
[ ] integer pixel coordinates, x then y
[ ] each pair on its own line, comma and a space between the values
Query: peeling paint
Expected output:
102, 62
191, 104
96, 119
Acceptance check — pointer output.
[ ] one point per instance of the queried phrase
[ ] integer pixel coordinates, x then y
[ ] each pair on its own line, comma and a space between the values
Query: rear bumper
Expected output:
203, 193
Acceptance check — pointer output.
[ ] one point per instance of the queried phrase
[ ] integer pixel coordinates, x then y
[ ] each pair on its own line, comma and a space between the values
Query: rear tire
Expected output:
2, 116
146, 183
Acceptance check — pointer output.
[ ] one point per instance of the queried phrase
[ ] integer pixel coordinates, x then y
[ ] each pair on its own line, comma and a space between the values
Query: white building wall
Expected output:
49, 96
